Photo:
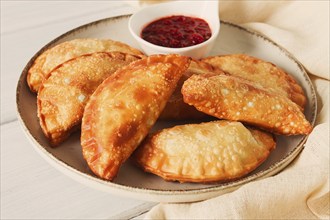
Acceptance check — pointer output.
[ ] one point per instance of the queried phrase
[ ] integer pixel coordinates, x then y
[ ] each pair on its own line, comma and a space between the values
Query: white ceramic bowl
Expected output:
207, 10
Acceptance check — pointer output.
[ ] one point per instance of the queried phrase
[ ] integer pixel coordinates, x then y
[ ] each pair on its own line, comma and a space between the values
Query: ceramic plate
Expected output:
133, 182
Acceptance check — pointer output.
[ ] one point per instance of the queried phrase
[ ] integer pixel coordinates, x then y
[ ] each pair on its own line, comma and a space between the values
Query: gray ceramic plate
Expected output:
133, 182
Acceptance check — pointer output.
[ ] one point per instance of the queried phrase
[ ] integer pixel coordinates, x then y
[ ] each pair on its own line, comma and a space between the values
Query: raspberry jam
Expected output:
177, 31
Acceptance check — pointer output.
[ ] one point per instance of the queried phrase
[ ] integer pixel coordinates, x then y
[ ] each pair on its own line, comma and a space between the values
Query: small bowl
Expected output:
206, 10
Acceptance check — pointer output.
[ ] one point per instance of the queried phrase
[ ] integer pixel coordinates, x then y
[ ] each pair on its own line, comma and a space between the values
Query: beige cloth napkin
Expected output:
301, 191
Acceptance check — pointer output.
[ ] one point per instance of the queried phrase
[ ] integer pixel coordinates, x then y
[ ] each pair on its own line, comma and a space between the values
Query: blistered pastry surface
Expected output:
270, 76
123, 109
176, 108
62, 97
206, 152
67, 50
234, 98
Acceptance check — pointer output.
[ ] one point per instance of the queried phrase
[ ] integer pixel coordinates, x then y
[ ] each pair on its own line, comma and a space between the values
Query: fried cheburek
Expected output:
62, 97
207, 152
67, 50
176, 108
124, 107
237, 99
265, 73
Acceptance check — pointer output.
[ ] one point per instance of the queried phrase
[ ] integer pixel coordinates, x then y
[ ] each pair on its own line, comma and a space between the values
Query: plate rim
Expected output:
154, 193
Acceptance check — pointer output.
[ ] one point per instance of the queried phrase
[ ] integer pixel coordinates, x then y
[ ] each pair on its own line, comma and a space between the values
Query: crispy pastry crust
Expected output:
124, 107
65, 51
176, 108
268, 75
237, 99
62, 97
207, 152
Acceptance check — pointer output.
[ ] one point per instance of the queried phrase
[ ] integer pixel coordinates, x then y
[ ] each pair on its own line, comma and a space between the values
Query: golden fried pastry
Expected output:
206, 152
63, 96
124, 107
176, 108
265, 73
62, 52
237, 99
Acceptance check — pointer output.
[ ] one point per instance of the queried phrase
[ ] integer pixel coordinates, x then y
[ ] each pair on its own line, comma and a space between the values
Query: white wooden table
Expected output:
30, 187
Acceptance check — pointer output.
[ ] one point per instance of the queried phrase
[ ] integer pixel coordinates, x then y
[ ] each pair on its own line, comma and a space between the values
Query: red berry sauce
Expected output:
177, 31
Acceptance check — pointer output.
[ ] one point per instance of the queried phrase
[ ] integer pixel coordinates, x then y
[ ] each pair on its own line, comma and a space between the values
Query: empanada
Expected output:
237, 99
124, 107
62, 52
63, 96
270, 76
206, 152
175, 108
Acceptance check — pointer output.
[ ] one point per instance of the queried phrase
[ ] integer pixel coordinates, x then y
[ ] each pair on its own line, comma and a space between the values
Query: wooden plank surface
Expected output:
30, 187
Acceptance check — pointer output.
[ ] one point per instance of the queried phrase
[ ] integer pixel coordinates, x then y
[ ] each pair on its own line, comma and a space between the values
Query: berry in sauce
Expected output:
177, 31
